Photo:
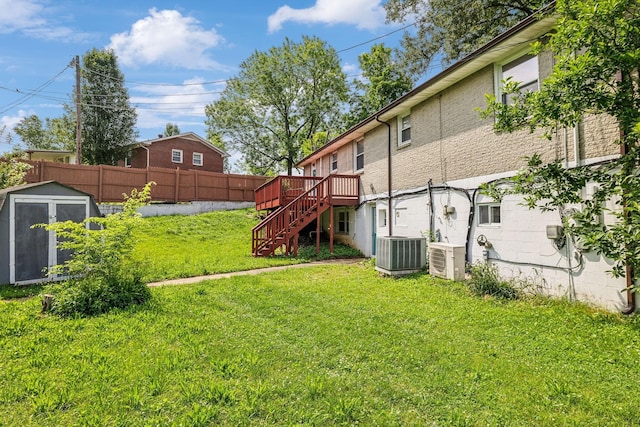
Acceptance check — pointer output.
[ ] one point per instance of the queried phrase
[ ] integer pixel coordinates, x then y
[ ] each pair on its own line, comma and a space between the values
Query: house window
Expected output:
334, 162
359, 155
176, 156
382, 217
523, 70
197, 159
127, 159
404, 130
489, 214
343, 222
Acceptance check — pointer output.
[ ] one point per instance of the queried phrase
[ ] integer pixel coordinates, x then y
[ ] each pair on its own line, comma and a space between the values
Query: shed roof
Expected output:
19, 188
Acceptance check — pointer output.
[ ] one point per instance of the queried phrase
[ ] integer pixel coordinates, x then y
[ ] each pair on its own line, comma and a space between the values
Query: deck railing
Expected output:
278, 228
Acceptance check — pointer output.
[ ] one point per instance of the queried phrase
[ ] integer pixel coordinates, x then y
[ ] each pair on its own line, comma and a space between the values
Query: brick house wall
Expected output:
160, 154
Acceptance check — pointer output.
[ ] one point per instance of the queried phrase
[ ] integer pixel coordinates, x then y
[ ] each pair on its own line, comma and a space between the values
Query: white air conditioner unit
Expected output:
400, 255
446, 260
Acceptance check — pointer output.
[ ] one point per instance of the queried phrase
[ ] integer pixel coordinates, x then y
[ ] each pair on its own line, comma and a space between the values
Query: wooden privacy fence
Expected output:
108, 183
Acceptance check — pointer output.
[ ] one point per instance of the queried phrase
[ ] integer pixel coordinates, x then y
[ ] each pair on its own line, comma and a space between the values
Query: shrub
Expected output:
101, 273
485, 280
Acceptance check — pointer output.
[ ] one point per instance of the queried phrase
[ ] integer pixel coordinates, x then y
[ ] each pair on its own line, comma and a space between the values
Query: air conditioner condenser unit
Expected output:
446, 260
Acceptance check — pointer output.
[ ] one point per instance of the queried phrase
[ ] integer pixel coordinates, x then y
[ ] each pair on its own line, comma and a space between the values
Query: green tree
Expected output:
102, 274
171, 129
279, 99
382, 82
448, 29
108, 120
216, 140
54, 134
602, 78
12, 172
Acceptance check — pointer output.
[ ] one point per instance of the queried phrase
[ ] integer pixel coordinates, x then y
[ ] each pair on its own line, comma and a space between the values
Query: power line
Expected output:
28, 96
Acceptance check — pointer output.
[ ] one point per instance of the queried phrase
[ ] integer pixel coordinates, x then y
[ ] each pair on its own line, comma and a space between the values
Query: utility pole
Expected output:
78, 113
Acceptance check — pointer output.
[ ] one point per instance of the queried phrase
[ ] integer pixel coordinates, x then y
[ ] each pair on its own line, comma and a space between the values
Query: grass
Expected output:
172, 247
332, 345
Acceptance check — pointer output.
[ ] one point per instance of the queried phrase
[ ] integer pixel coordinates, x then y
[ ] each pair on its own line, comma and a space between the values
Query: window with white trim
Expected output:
197, 159
489, 214
343, 222
523, 70
334, 162
404, 130
127, 159
382, 217
176, 156
359, 155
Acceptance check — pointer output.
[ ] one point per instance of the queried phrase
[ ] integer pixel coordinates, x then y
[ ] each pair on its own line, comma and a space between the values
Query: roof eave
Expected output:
480, 58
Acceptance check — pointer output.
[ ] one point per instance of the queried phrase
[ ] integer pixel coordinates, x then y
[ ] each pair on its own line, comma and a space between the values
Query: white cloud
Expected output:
28, 17
167, 37
364, 14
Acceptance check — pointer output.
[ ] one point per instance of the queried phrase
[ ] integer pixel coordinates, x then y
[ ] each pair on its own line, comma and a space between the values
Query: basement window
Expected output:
343, 222
489, 214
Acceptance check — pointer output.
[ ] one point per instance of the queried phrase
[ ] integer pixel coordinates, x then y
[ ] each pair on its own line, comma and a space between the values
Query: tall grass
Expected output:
335, 345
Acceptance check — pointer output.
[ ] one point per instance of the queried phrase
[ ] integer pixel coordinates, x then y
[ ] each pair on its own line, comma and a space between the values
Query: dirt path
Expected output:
196, 279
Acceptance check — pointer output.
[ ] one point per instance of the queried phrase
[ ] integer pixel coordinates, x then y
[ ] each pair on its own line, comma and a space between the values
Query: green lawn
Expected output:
335, 345
170, 247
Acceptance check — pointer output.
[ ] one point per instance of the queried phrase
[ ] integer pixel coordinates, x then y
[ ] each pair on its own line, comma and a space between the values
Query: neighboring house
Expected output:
186, 151
434, 150
58, 156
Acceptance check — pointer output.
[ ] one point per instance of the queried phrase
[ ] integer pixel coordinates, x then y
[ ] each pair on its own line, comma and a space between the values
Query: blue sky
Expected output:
175, 56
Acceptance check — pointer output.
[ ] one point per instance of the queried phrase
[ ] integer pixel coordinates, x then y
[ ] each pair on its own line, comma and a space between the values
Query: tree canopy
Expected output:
171, 129
448, 30
597, 49
279, 99
108, 120
54, 134
382, 81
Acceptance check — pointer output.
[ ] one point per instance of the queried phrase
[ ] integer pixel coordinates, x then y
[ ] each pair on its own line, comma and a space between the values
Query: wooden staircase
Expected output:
282, 227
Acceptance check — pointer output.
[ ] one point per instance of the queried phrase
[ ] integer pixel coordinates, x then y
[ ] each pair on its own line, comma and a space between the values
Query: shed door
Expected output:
31, 244
33, 250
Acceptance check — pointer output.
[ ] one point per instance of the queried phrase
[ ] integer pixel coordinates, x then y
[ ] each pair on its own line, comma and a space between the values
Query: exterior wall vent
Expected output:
446, 260
397, 256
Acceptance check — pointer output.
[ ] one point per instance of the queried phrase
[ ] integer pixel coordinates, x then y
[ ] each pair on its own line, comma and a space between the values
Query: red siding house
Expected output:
186, 151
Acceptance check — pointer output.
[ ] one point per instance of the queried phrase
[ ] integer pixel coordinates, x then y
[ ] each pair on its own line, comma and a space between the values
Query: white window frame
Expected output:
201, 159
334, 161
358, 155
499, 73
127, 159
344, 222
176, 153
491, 209
402, 128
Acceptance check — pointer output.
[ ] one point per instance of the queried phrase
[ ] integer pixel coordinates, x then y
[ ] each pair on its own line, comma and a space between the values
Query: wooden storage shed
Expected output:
25, 252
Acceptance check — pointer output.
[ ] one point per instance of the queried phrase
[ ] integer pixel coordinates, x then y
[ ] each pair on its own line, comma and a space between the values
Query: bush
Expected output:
101, 273
485, 280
